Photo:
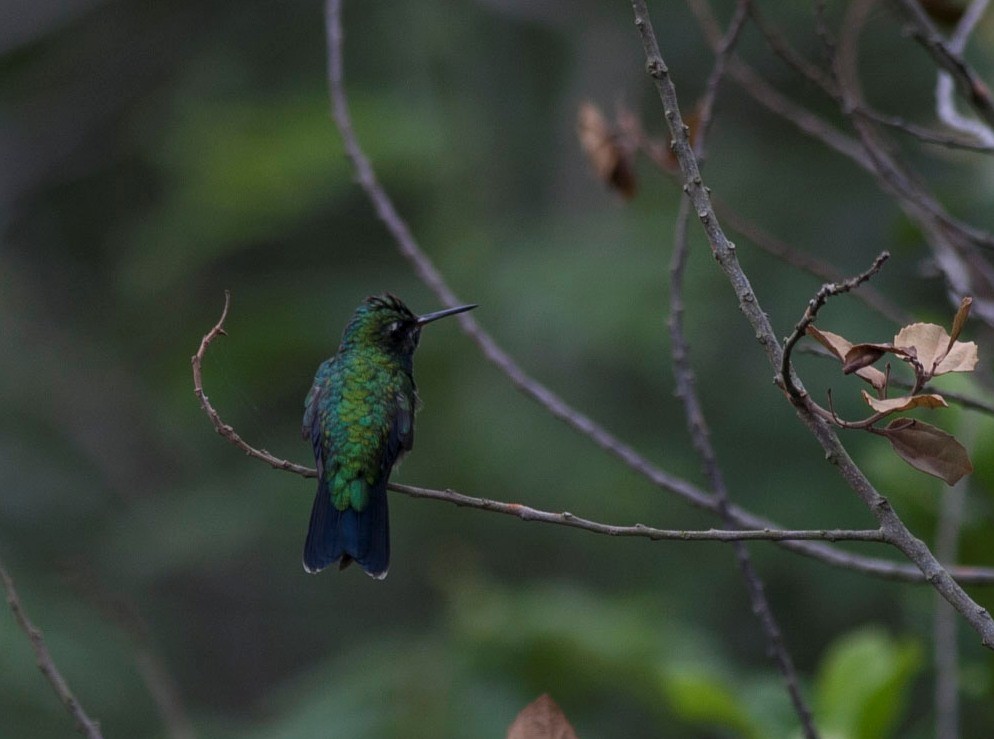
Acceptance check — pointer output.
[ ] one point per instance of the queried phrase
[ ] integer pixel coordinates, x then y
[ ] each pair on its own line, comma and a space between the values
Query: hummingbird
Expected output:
359, 418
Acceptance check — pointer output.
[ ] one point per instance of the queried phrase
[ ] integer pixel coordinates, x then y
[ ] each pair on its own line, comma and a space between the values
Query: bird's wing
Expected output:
401, 435
311, 428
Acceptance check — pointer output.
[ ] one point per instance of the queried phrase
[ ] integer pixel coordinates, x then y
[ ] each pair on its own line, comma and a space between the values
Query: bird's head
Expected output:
384, 322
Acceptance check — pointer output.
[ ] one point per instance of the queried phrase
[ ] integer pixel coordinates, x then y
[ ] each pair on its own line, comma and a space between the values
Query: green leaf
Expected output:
702, 698
862, 686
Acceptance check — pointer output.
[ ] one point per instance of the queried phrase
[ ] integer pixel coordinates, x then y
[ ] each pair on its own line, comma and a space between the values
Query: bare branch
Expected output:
527, 513
767, 530
774, 101
944, 625
724, 51
427, 272
870, 296
919, 205
759, 237
84, 724
827, 291
944, 104
724, 252
222, 428
974, 140
697, 425
124, 615
694, 412
970, 85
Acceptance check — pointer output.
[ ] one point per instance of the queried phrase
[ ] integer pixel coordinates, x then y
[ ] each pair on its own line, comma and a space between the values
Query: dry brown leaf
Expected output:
833, 342
961, 315
863, 355
541, 719
599, 141
905, 402
936, 350
928, 449
962, 357
840, 346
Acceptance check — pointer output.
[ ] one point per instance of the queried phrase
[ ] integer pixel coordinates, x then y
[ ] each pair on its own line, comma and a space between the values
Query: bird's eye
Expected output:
393, 327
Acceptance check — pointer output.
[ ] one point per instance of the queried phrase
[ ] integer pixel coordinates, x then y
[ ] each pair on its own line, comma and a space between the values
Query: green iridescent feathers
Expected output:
359, 418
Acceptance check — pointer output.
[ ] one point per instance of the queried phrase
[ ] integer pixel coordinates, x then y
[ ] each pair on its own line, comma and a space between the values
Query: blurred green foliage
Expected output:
156, 155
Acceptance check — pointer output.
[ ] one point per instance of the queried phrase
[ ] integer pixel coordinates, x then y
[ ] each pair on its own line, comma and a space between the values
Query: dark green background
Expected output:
153, 156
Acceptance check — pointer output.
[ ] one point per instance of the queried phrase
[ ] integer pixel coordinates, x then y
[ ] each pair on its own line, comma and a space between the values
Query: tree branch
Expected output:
826, 291
944, 625
427, 272
525, 513
970, 85
724, 252
974, 140
84, 724
686, 388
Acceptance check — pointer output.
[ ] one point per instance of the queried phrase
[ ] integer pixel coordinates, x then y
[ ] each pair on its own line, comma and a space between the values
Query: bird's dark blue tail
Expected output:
344, 536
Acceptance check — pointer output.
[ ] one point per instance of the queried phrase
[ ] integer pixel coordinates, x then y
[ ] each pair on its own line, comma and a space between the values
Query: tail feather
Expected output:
349, 535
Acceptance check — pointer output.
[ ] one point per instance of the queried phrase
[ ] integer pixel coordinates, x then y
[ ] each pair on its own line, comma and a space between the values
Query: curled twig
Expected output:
827, 291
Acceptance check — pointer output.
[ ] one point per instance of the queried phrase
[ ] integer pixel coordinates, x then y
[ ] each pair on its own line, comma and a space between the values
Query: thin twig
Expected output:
973, 141
722, 55
759, 237
823, 31
944, 628
918, 204
701, 437
430, 276
944, 86
724, 252
953, 242
970, 85
525, 513
827, 291
687, 391
84, 724
926, 135
791, 57
161, 685
869, 295
773, 100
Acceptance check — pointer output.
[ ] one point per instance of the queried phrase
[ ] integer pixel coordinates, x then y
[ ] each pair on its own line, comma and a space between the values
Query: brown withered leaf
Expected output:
611, 161
863, 355
962, 313
928, 449
905, 402
833, 342
840, 346
936, 350
541, 719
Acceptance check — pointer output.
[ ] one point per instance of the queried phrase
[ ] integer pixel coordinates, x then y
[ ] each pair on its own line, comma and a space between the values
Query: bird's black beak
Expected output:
429, 317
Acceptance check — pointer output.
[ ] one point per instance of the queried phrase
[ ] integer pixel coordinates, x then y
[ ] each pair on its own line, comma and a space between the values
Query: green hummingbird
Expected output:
359, 418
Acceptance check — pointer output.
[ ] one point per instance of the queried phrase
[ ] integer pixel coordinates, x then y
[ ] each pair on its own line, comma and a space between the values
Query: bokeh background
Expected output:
153, 155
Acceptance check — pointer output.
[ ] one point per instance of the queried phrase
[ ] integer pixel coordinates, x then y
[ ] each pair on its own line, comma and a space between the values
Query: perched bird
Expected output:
359, 417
